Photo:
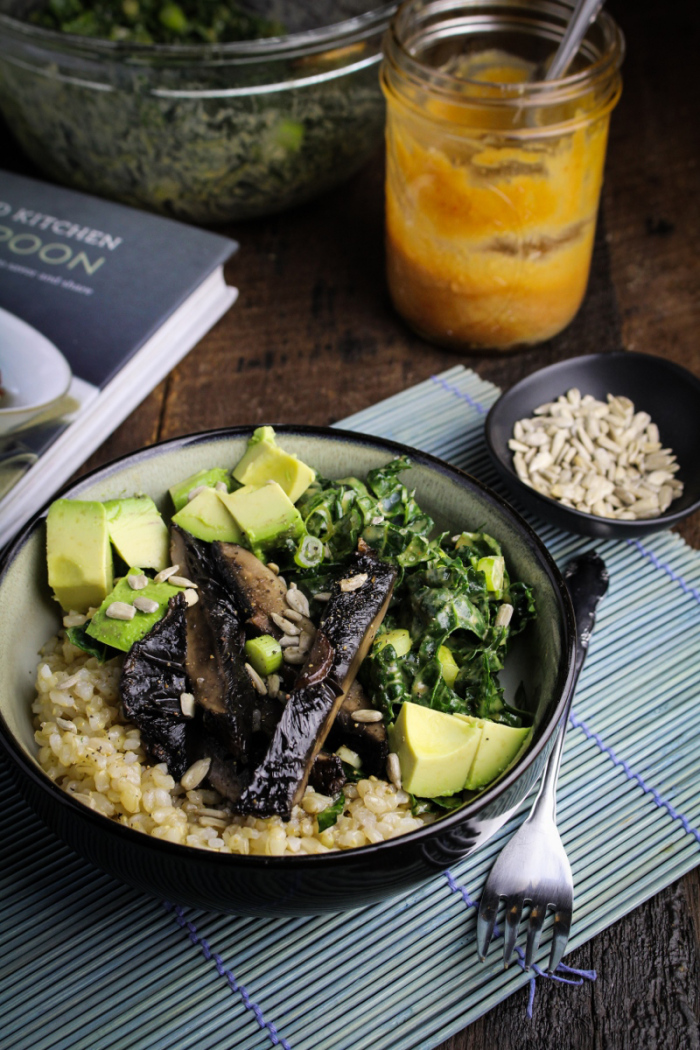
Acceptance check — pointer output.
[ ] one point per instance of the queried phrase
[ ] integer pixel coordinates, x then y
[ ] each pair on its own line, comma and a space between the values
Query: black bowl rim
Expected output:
503, 459
565, 673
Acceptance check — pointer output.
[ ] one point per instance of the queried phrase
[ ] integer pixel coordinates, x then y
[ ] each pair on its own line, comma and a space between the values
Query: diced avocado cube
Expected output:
206, 518
139, 534
494, 569
78, 553
121, 634
264, 654
264, 460
448, 665
399, 640
435, 750
498, 748
264, 514
180, 492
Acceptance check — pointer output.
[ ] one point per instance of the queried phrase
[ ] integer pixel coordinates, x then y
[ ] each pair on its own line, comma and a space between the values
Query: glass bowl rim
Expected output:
343, 33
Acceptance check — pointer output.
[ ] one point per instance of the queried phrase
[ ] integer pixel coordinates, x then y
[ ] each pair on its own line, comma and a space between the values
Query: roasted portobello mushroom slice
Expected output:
153, 679
355, 610
233, 711
260, 594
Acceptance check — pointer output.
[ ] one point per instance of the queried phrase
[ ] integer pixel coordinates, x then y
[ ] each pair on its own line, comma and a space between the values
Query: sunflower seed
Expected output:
120, 611
366, 714
353, 583
293, 655
191, 596
504, 615
297, 600
195, 774
146, 605
137, 582
187, 704
393, 770
165, 574
181, 581
273, 683
288, 640
257, 681
285, 624
193, 493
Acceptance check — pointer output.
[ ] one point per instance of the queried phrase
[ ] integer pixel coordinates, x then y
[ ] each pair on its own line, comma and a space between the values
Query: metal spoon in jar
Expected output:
584, 13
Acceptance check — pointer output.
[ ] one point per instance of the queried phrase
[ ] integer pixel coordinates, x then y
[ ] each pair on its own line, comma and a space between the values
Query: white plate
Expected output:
35, 374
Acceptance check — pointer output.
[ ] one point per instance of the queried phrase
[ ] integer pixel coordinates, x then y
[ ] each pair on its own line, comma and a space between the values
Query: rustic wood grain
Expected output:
313, 338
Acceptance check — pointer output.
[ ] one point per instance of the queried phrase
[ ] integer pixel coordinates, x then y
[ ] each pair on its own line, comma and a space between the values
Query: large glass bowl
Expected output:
209, 132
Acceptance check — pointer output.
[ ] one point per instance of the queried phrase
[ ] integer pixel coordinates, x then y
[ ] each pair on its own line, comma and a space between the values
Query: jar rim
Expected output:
397, 52
293, 45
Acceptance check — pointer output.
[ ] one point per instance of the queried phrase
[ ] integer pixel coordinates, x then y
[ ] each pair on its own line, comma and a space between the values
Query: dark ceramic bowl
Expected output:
299, 884
669, 393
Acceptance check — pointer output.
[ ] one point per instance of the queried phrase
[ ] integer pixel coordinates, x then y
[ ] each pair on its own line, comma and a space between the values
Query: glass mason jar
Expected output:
493, 176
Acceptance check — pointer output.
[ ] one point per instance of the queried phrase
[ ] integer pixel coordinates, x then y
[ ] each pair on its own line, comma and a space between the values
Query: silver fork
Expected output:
533, 866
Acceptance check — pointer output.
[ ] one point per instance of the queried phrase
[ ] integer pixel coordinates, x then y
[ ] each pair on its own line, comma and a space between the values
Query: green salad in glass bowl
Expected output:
203, 111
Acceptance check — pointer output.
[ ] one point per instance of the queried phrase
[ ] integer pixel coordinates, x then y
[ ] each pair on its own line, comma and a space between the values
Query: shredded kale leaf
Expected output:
448, 595
78, 637
329, 816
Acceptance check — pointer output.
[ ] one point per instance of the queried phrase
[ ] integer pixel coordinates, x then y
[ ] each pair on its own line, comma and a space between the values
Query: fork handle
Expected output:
586, 579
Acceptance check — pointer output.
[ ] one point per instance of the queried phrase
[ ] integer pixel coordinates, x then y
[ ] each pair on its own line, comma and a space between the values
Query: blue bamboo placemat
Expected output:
89, 964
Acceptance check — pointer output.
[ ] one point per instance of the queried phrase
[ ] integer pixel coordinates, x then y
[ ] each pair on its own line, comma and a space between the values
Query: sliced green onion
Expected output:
309, 552
264, 654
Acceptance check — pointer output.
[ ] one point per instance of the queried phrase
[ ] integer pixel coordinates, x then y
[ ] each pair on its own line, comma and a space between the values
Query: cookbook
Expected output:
98, 302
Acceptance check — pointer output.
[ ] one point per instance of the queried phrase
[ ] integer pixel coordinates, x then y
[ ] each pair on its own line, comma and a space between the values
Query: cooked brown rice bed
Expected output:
88, 749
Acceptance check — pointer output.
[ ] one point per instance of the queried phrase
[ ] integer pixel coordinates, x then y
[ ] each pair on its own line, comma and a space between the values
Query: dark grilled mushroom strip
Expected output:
152, 681
344, 636
327, 774
259, 592
368, 739
233, 710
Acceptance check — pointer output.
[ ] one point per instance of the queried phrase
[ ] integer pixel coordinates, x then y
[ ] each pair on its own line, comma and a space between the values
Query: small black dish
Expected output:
669, 393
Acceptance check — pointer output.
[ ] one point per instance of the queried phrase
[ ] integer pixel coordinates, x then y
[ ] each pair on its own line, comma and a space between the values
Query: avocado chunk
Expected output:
494, 569
400, 641
138, 533
78, 553
264, 460
435, 750
498, 748
448, 665
206, 518
121, 634
265, 515
179, 493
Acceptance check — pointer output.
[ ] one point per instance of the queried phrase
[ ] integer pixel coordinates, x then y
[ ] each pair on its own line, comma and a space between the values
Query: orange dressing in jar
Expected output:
492, 191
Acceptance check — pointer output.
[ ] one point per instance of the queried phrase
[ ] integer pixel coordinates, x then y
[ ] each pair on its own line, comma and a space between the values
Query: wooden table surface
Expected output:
313, 338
